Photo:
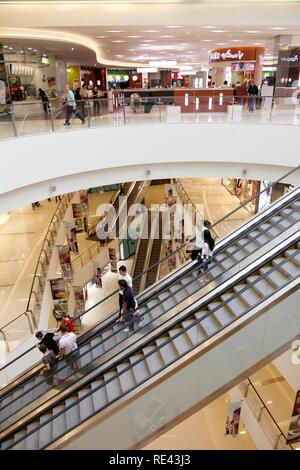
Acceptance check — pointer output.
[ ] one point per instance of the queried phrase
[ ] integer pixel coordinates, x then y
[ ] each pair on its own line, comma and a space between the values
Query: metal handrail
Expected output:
186, 244
145, 356
267, 410
107, 338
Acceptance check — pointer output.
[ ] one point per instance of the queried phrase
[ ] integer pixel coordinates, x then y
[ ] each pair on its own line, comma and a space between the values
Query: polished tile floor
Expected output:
204, 430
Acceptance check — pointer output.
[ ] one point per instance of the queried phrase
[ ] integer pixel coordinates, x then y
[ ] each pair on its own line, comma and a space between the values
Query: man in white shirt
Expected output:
68, 348
123, 274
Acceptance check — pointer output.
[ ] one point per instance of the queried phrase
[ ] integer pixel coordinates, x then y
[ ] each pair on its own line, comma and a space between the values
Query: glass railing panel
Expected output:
31, 119
7, 124
18, 331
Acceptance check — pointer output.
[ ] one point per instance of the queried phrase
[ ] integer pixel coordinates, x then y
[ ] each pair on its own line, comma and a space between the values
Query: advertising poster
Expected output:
79, 300
72, 239
113, 259
294, 429
77, 211
79, 225
58, 288
84, 199
65, 262
233, 419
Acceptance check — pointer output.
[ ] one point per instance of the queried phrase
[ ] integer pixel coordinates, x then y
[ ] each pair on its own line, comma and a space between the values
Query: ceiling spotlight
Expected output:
10, 48
100, 37
21, 52
151, 31
172, 26
34, 50
134, 36
253, 32
5, 47
218, 31
206, 40
72, 48
117, 40
114, 31
208, 27
29, 48
278, 28
166, 36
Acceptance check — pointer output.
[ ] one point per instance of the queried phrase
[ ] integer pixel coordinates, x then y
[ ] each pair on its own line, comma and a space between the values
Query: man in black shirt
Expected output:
48, 341
252, 93
128, 304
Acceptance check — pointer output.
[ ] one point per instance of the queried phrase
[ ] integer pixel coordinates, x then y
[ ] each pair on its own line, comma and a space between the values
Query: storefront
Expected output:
122, 79
236, 64
26, 69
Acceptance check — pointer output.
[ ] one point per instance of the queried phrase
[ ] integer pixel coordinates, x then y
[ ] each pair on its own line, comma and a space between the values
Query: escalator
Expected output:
122, 213
155, 256
189, 333
140, 257
98, 345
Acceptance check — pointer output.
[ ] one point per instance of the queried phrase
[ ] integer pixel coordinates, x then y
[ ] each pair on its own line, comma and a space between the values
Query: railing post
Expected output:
30, 325
13, 120
88, 113
51, 117
124, 114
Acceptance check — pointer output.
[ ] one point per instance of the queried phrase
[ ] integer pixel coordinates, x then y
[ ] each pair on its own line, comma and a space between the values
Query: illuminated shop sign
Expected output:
293, 59
226, 55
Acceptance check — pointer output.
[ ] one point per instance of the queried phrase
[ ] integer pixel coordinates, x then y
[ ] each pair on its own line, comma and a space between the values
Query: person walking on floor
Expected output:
71, 107
252, 94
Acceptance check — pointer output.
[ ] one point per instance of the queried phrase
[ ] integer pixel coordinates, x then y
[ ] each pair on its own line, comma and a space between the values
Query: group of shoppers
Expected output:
57, 346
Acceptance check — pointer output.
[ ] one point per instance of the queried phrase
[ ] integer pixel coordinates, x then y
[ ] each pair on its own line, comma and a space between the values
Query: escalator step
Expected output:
58, 424
181, 343
168, 303
156, 312
261, 239
288, 269
209, 325
268, 228
140, 370
6, 444
249, 295
236, 305
32, 441
73, 414
179, 292
194, 333
222, 314
98, 350
45, 434
99, 396
86, 358
111, 341
295, 259
127, 379
276, 278
263, 287
277, 220
168, 352
19, 435
119, 332
288, 212
86, 407
113, 388
154, 360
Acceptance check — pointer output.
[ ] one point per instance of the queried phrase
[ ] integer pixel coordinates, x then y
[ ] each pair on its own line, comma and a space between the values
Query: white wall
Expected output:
290, 371
92, 157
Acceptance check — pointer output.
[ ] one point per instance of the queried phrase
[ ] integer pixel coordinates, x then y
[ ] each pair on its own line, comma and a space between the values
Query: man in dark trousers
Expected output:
128, 304
48, 340
252, 93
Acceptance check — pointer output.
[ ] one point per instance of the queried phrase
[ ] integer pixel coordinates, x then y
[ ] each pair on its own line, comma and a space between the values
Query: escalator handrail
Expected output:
155, 349
180, 248
107, 338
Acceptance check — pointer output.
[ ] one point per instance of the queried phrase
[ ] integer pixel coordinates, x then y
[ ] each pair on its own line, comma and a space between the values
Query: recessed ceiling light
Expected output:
237, 40
221, 44
119, 55
253, 32
34, 50
10, 48
100, 37
206, 40
172, 26
5, 47
21, 52
208, 27
117, 40
151, 31
166, 36
114, 31
218, 31
29, 48
72, 48
148, 40
95, 65
132, 50
134, 36
278, 28
184, 44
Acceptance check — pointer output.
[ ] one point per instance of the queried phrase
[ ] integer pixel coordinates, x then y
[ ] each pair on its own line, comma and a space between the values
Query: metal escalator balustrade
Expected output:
166, 300
170, 345
152, 312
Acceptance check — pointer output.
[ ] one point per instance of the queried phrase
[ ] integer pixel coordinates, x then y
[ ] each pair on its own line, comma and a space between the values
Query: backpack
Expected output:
209, 240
